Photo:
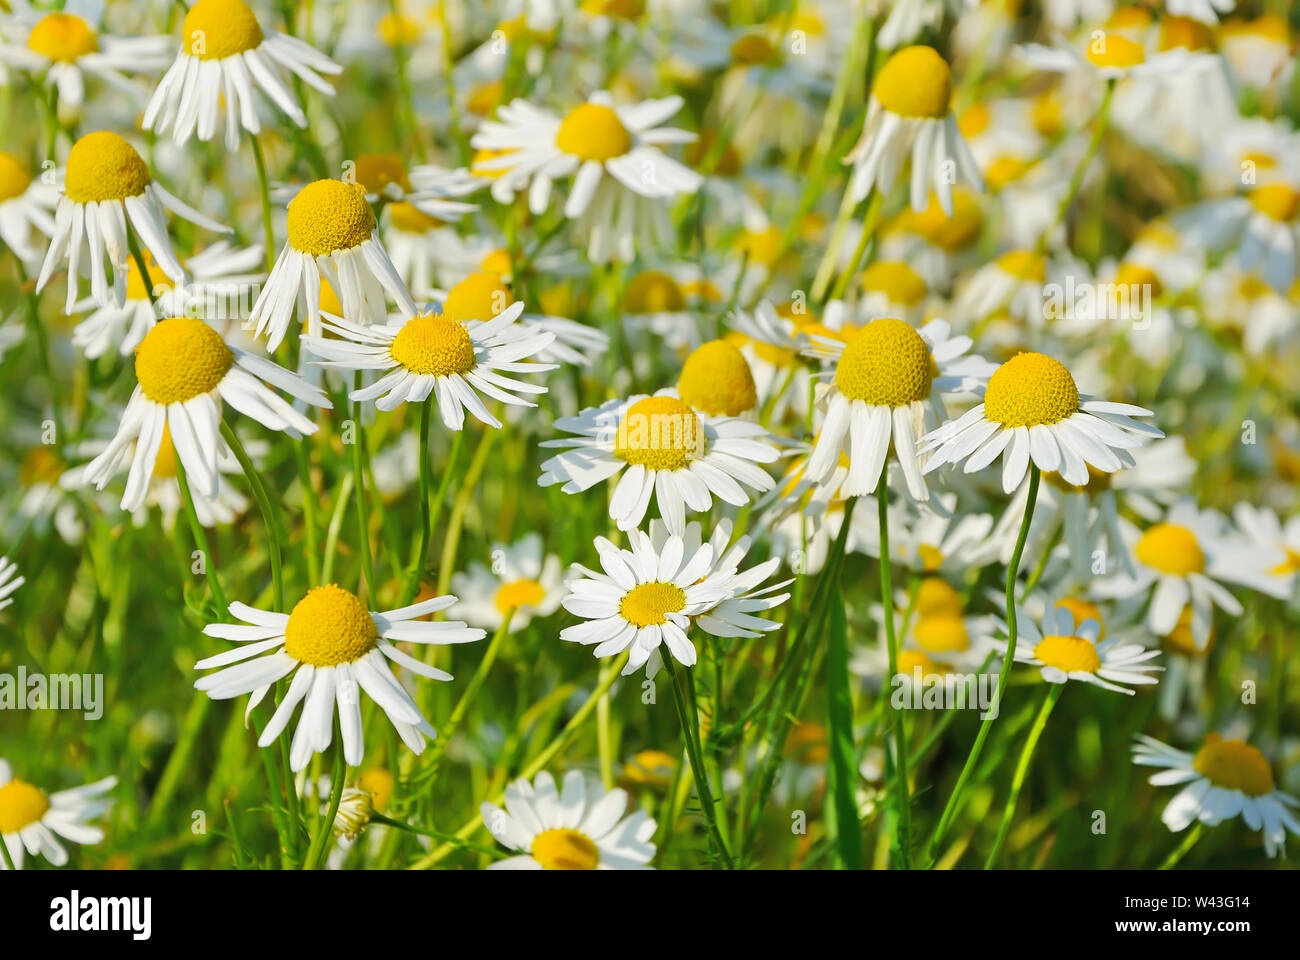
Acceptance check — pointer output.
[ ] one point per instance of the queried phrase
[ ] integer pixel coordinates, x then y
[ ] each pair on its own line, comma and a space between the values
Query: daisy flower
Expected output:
910, 112
882, 379
25, 202
1222, 780
1263, 224
32, 821
520, 579
9, 581
1277, 543
1066, 651
184, 370
622, 179
105, 184
672, 452
332, 233
1105, 55
581, 827
1032, 410
1258, 52
331, 644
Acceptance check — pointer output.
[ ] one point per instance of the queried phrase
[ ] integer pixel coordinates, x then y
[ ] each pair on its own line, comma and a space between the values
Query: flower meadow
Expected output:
649, 434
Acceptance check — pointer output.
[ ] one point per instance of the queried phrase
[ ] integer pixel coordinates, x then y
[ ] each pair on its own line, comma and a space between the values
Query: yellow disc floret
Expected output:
886, 363
1114, 51
375, 171
216, 29
411, 219
653, 291
1082, 610
752, 50
103, 166
593, 131
480, 296
915, 82
1171, 549
329, 626
564, 849
62, 37
717, 380
941, 633
650, 603
661, 433
1068, 654
21, 805
1276, 201
179, 359
432, 344
1234, 765
1030, 389
936, 597
518, 593
896, 280
14, 178
329, 215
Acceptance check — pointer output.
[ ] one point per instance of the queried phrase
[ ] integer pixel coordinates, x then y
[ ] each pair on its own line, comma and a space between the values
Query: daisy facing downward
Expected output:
30, 818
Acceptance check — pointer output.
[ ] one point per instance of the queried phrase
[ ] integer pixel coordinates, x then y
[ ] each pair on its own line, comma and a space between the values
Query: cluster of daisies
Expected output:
633, 236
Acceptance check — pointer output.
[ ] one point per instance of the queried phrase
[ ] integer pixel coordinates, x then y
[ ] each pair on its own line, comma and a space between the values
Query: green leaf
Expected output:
842, 809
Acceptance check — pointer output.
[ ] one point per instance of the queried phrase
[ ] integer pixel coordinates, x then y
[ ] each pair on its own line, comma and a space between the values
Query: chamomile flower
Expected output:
1263, 224
184, 371
673, 453
884, 376
105, 184
25, 202
520, 579
910, 112
1032, 410
1222, 780
331, 644
1278, 543
9, 581
331, 233
224, 53
1258, 52
1066, 651
32, 821
1104, 55
622, 179
581, 827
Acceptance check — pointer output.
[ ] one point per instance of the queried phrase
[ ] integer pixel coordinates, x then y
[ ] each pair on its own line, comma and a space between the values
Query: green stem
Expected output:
1100, 122
1183, 848
324, 829
1022, 768
269, 516
902, 804
264, 187
412, 587
359, 481
690, 721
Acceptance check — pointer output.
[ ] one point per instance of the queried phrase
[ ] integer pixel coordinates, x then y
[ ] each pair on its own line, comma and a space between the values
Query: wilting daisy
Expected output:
25, 202
1224, 779
579, 828
910, 113
331, 644
32, 821
331, 232
9, 581
224, 53
520, 579
672, 452
184, 370
622, 180
882, 380
106, 183
1066, 651
1032, 409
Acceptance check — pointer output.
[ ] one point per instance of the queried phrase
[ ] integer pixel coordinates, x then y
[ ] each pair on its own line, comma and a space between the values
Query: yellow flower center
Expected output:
941, 633
135, 287
41, 466
103, 166
480, 296
909, 660
485, 98
1136, 275
1180, 640
931, 557
1288, 566
896, 280
886, 363
650, 603
716, 379
21, 805
650, 768
216, 29
329, 626
1046, 114
432, 344
1252, 286
1113, 50
1030, 389
1267, 27
974, 120
661, 433
179, 359
329, 215
497, 263
1171, 549
1006, 169
947, 233
62, 37
1068, 654
164, 467
1082, 610
564, 849
1234, 765
653, 291
936, 597
1276, 201
483, 156
375, 171
752, 50
398, 30
1129, 18
593, 131
411, 219
519, 593
618, 9
14, 178
762, 247
1098, 481
1024, 265
377, 782
915, 82
1183, 32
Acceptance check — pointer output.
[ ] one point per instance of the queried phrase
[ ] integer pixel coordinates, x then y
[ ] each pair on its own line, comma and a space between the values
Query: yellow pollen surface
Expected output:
896, 280
1068, 654
1006, 169
103, 166
329, 626
563, 849
761, 247
63, 37
618, 9
1113, 50
650, 768
434, 345
1183, 32
398, 30
14, 178
886, 363
1268, 27
329, 215
1234, 765
948, 233
480, 296
377, 782
909, 660
518, 593
1136, 275
375, 171
497, 263
653, 291
164, 467
411, 219
485, 98
752, 50
1082, 610
661, 433
1030, 389
649, 604
1288, 566
1098, 482
1180, 640
135, 287
974, 120
1276, 201
483, 156
21, 805
936, 597
1046, 114
717, 380
915, 82
1024, 265
941, 633
931, 557
216, 29
181, 358
1171, 549
1129, 18
593, 131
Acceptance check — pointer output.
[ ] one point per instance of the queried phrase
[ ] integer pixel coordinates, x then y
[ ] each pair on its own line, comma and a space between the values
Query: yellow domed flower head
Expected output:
1066, 651
914, 82
1116, 51
26, 202
716, 380
895, 282
651, 769
32, 821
